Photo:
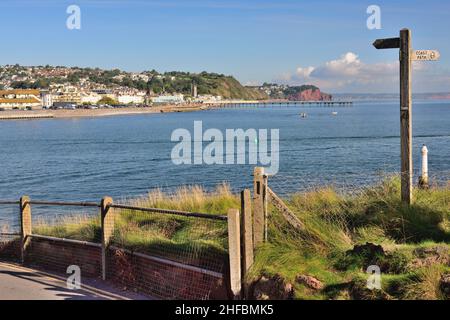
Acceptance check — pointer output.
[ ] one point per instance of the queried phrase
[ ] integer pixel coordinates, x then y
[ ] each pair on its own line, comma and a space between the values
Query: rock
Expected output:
310, 282
274, 288
368, 249
430, 256
369, 253
444, 285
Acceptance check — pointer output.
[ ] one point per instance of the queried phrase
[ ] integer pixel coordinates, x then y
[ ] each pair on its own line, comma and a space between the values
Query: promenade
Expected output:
19, 283
86, 113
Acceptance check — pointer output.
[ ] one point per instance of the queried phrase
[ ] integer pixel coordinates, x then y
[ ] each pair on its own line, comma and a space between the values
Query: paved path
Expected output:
18, 283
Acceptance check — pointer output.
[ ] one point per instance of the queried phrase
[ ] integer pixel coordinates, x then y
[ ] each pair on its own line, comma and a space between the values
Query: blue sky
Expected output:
322, 42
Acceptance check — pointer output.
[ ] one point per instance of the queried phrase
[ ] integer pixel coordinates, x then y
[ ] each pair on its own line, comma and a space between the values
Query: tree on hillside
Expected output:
41, 84
107, 100
21, 85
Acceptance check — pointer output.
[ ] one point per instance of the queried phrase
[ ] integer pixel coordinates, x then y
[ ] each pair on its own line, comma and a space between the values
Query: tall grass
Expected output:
335, 222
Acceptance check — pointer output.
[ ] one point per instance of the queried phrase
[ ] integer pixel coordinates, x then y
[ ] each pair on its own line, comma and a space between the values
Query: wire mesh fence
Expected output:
170, 243
341, 211
9, 230
74, 221
169, 254
64, 234
178, 236
286, 185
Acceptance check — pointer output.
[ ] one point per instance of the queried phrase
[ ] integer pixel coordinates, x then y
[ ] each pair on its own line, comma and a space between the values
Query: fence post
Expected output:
107, 217
258, 206
265, 204
25, 222
247, 234
234, 248
423, 180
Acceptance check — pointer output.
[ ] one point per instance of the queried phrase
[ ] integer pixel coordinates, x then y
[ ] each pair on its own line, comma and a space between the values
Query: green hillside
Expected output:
207, 83
229, 87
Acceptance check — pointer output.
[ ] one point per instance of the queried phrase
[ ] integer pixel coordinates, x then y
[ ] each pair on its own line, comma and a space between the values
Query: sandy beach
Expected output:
83, 113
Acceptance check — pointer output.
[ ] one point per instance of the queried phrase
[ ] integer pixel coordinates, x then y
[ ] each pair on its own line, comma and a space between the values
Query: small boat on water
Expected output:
334, 113
303, 115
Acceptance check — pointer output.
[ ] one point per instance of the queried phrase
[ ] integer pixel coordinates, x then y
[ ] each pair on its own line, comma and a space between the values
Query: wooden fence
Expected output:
103, 259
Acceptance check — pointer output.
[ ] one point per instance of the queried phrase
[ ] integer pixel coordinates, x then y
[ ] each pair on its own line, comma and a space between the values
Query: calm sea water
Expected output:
126, 156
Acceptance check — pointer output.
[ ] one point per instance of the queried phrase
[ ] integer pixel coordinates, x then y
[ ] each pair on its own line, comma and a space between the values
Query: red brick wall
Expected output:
57, 255
161, 280
10, 249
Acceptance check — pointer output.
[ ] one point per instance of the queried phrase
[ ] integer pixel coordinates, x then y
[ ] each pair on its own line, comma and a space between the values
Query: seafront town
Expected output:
72, 97
37, 88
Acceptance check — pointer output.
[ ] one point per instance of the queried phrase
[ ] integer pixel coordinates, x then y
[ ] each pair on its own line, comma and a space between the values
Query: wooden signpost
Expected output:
407, 55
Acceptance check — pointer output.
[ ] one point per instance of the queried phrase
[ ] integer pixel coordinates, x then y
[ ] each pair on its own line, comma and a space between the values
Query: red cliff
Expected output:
310, 95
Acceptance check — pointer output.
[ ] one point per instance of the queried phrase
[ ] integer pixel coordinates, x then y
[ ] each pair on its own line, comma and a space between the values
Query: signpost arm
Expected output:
405, 117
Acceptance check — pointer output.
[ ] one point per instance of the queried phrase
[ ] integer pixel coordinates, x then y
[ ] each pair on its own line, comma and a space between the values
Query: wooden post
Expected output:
246, 234
407, 55
406, 117
107, 217
25, 230
265, 206
423, 180
258, 206
234, 249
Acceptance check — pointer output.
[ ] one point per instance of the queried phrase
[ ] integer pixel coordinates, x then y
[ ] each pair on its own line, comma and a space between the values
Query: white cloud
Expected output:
304, 72
349, 74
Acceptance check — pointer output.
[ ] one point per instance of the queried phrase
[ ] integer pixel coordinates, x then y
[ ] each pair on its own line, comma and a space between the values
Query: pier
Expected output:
246, 103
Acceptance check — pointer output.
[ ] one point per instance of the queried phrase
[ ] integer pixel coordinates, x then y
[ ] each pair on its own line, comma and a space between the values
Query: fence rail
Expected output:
84, 243
171, 212
6, 202
64, 204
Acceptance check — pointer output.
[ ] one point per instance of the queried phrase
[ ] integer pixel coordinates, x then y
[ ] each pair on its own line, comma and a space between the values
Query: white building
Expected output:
208, 98
90, 98
166, 99
139, 76
131, 99
21, 99
47, 99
